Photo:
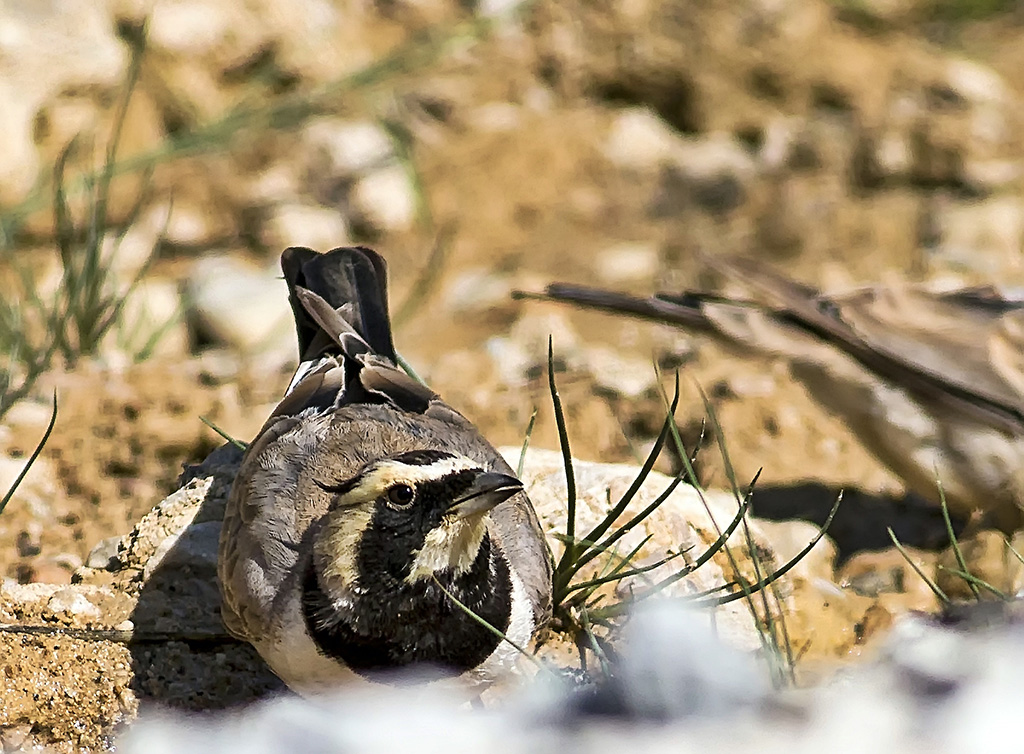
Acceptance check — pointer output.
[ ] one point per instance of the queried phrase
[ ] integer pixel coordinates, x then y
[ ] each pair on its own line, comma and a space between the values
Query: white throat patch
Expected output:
453, 545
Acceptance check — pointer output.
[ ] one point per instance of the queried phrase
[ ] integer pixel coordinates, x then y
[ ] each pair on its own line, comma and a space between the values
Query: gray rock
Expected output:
73, 602
984, 237
628, 263
47, 48
351, 147
639, 140
386, 198
193, 548
103, 556
240, 306
315, 226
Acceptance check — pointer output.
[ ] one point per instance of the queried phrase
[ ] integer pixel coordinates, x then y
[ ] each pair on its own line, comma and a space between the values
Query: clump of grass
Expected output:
36, 329
978, 587
578, 607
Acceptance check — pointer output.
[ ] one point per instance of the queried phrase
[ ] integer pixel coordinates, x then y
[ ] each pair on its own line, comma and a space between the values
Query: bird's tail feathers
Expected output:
340, 302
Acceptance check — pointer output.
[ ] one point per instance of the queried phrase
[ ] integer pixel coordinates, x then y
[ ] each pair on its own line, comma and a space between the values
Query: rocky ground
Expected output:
483, 148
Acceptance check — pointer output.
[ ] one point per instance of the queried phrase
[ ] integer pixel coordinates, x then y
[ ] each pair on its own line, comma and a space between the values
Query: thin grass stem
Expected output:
32, 458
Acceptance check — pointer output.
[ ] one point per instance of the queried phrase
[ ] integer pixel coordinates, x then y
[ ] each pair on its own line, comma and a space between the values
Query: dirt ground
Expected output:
536, 202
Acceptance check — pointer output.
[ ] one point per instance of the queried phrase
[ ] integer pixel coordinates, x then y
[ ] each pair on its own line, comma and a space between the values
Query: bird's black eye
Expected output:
400, 495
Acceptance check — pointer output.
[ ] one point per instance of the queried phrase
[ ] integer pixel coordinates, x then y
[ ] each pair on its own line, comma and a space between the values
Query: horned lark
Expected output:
932, 383
366, 503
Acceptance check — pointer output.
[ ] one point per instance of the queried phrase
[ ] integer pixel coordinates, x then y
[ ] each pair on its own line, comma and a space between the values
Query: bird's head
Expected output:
407, 517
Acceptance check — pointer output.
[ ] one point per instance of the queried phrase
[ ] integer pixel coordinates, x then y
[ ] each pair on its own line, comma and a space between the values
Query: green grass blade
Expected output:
526, 443
598, 531
957, 553
775, 576
941, 595
407, 368
561, 579
976, 583
237, 443
32, 458
477, 619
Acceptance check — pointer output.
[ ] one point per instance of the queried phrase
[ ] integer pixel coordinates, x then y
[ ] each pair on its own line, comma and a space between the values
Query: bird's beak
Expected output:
488, 490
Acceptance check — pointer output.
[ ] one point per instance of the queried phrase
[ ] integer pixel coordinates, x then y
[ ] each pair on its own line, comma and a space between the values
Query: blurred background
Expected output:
155, 158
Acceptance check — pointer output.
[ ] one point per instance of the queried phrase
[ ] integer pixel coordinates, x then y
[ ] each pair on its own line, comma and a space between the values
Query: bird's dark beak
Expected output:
488, 490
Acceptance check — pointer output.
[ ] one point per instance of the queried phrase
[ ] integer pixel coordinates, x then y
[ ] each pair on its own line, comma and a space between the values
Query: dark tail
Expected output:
685, 310
353, 281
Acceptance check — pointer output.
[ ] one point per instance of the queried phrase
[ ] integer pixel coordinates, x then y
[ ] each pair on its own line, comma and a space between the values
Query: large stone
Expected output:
47, 48
238, 305
386, 198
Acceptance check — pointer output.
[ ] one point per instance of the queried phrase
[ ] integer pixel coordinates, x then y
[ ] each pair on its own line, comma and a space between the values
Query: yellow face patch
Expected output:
337, 548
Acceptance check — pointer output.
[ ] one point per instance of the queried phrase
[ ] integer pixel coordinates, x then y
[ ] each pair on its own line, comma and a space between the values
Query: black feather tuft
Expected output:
351, 277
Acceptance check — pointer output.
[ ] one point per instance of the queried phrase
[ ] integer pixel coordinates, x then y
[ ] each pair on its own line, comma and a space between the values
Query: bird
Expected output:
932, 383
367, 508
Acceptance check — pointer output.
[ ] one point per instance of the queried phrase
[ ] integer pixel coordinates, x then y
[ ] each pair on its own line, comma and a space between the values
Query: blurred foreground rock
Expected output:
935, 688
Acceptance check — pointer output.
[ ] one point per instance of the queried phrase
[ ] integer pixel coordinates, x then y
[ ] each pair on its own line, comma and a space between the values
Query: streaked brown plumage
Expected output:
932, 383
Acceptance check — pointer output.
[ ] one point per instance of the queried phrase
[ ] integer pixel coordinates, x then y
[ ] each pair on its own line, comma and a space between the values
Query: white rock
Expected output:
975, 82
789, 538
351, 146
103, 552
277, 183
620, 374
72, 602
498, 8
189, 225
20, 166
36, 489
628, 263
712, 155
638, 139
190, 27
386, 198
238, 305
681, 522
893, 153
495, 117
984, 236
674, 666
47, 48
28, 413
992, 175
478, 290
306, 225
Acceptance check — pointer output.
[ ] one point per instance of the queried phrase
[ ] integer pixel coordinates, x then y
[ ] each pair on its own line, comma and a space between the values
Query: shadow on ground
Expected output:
863, 518
183, 656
